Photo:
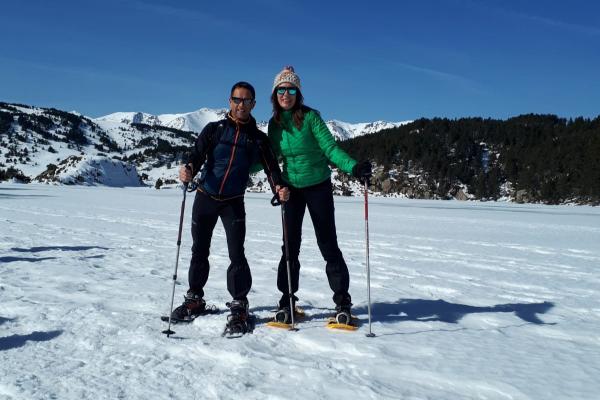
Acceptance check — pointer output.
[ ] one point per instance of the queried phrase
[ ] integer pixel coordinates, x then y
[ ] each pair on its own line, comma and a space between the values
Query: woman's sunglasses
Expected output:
291, 90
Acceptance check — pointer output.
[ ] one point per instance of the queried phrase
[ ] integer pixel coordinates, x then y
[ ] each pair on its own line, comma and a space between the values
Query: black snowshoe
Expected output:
239, 321
193, 306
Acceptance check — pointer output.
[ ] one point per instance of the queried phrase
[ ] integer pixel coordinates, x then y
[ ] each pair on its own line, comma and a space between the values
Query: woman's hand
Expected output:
362, 170
283, 192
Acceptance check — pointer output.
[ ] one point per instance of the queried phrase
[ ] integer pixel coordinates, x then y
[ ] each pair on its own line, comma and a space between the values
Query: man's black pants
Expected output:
205, 213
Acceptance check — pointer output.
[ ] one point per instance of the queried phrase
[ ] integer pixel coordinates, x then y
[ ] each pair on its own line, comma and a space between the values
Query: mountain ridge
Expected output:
54, 146
196, 120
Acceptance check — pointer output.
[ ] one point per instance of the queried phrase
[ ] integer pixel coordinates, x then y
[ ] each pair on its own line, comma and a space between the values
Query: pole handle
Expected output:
275, 200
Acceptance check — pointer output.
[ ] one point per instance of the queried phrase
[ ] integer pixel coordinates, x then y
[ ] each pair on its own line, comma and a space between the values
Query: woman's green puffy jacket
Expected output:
307, 152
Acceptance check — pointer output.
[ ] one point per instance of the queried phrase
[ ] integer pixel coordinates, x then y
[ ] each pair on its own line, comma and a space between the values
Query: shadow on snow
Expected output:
3, 320
21, 196
443, 311
437, 310
61, 248
28, 259
39, 249
15, 341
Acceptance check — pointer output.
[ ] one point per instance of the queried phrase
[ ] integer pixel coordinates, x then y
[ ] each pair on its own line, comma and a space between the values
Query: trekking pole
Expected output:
370, 334
168, 331
287, 261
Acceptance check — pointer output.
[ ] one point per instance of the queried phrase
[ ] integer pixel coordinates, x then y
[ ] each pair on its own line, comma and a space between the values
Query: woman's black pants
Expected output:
319, 201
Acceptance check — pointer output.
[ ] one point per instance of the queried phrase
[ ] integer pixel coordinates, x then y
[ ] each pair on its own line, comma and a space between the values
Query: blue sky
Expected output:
358, 61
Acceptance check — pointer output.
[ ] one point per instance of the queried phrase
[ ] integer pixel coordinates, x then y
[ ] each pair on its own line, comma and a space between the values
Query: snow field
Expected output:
470, 301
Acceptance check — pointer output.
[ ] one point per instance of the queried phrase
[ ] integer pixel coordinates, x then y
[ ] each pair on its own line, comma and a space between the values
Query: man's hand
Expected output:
185, 173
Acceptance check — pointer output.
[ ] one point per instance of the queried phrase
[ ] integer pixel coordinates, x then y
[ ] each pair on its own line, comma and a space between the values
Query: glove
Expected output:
362, 170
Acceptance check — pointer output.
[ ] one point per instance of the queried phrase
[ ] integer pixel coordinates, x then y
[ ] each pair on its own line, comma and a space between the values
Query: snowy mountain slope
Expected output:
77, 170
34, 140
31, 138
344, 130
196, 120
470, 301
127, 118
191, 121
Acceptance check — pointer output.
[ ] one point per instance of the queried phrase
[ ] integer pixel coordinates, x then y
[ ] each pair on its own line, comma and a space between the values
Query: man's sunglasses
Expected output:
291, 90
238, 100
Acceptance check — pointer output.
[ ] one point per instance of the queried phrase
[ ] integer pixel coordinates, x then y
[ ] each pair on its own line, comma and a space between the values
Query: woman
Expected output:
301, 139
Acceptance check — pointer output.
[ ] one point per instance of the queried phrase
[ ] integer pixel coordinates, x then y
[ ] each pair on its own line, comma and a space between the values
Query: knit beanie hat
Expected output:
287, 75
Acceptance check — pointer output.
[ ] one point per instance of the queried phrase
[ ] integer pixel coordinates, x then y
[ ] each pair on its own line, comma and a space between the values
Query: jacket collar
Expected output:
250, 122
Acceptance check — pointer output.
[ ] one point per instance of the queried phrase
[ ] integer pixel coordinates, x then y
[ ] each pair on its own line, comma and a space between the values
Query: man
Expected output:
224, 154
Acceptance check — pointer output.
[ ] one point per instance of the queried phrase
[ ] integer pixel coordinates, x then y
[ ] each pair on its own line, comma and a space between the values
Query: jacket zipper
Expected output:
233, 148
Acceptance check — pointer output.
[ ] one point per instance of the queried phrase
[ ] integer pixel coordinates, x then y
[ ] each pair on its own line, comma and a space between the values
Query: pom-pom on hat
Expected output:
287, 75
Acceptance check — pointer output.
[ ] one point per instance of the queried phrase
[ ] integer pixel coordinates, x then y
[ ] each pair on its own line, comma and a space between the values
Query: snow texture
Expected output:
470, 301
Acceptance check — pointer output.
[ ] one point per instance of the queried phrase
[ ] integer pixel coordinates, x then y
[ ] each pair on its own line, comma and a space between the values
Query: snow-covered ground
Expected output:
470, 301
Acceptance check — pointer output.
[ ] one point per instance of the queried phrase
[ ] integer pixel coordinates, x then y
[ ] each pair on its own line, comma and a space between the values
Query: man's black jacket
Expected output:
224, 153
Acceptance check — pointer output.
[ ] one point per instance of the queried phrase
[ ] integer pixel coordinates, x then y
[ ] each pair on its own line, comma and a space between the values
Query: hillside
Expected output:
529, 158
49, 145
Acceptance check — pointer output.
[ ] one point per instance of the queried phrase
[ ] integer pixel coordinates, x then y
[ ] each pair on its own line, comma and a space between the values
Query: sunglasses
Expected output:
238, 100
291, 90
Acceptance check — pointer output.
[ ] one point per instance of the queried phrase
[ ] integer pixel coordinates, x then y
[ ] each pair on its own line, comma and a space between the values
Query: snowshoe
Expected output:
283, 318
238, 320
343, 319
193, 306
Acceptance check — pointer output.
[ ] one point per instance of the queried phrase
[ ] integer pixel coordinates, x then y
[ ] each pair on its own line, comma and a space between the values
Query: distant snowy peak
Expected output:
193, 121
344, 130
128, 118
